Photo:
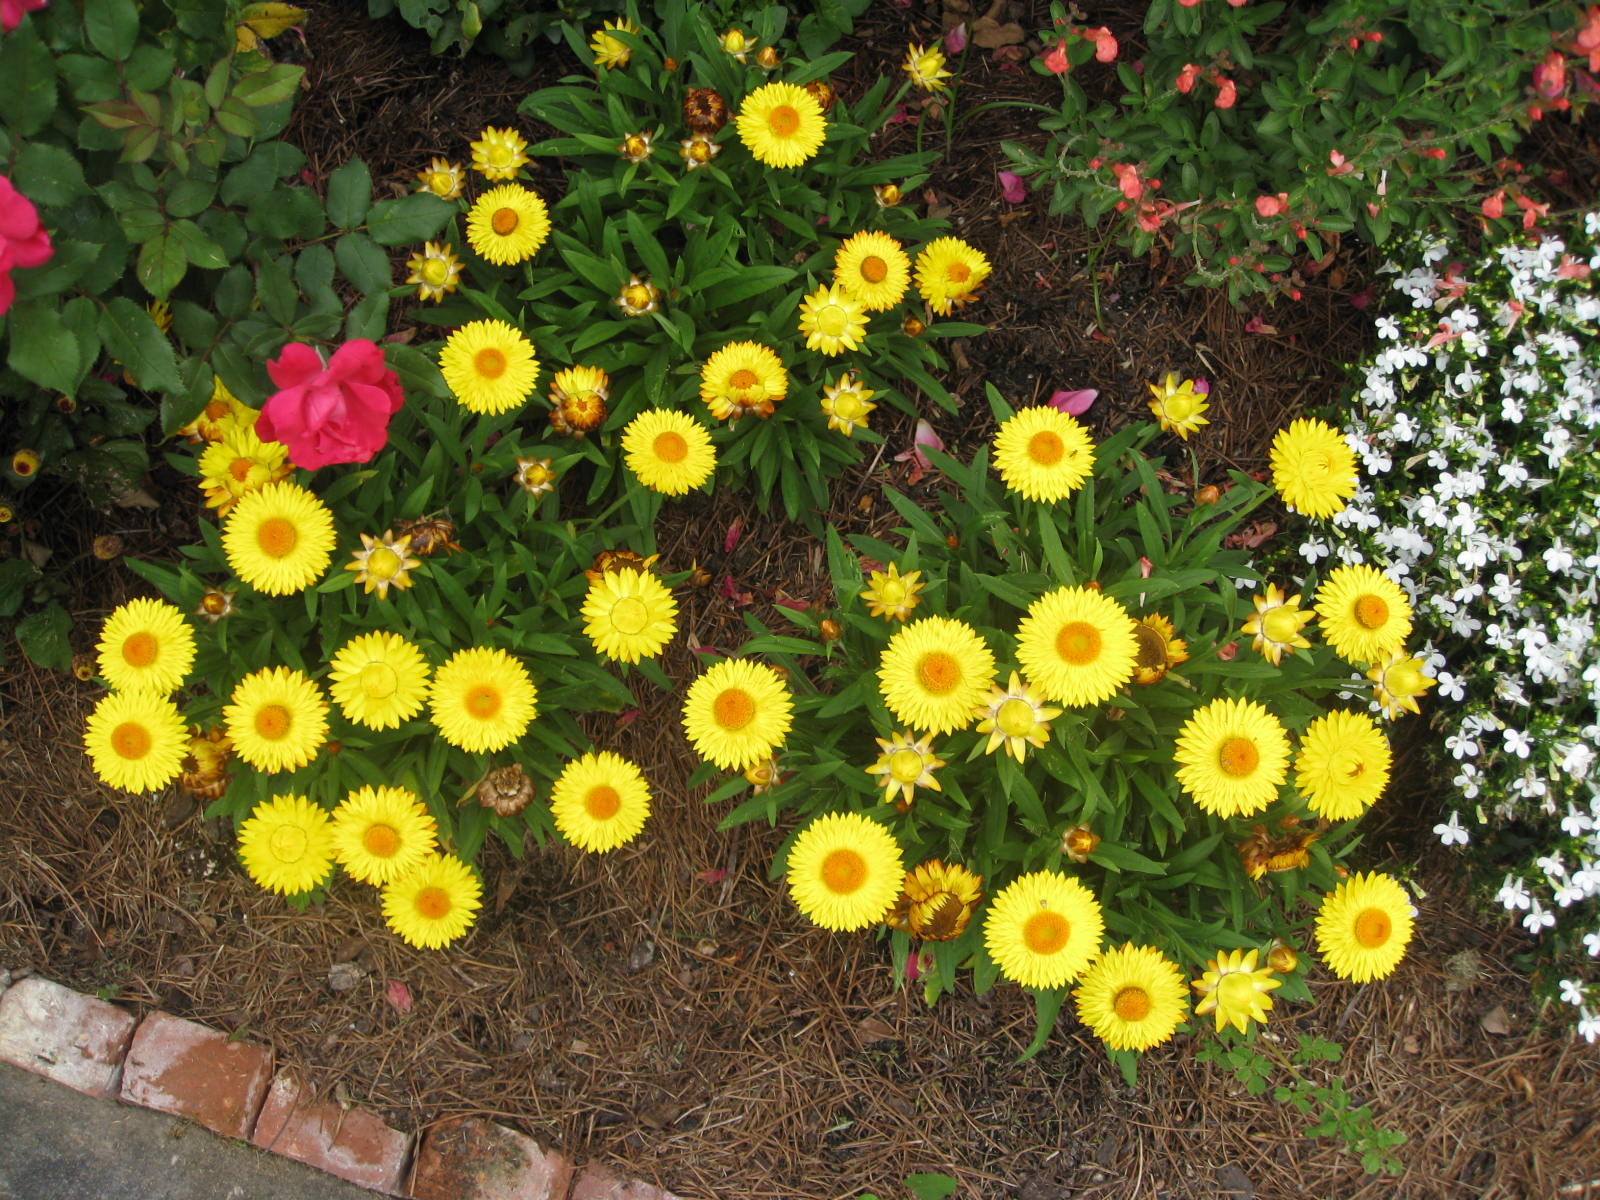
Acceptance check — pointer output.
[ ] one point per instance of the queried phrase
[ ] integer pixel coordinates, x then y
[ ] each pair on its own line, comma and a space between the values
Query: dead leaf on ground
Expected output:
875, 1029
990, 34
1494, 1021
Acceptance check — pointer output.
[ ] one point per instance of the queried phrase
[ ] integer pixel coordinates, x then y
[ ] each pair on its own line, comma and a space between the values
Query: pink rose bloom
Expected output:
330, 414
23, 241
11, 12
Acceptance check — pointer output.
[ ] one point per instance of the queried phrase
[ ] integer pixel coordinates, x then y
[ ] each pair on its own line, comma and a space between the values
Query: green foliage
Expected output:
1336, 1115
924, 1186
1375, 116
733, 247
1167, 873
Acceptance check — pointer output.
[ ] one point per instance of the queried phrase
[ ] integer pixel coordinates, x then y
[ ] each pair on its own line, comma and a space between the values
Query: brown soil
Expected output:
664, 1008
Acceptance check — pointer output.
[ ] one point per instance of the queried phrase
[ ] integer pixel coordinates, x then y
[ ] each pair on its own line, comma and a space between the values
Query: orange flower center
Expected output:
733, 709
874, 269
602, 802
273, 722
958, 272
629, 615
239, 468
939, 672
433, 903
783, 120
671, 447
843, 871
381, 841
277, 537
1372, 928
489, 362
131, 740
1238, 757
1046, 448
504, 222
484, 701
1132, 1004
141, 649
742, 379
1371, 612
1078, 643
1046, 932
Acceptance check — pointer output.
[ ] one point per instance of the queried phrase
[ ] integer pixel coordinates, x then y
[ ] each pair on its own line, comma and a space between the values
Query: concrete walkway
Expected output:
57, 1144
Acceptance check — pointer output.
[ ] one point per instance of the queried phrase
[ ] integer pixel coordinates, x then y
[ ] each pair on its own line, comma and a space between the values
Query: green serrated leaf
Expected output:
43, 348
349, 194
133, 339
162, 264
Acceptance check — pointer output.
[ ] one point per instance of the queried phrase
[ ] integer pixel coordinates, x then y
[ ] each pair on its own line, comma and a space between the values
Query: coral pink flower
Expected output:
1105, 45
1227, 93
1188, 3
11, 12
1495, 205
23, 241
1531, 212
1550, 76
1588, 39
1340, 166
1056, 61
330, 414
1272, 206
1186, 77
1128, 180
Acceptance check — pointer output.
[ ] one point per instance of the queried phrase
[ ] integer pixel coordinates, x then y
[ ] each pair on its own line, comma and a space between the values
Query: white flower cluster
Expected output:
1477, 424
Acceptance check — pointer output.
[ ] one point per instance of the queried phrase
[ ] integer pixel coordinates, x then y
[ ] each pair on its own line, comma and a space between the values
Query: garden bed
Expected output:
664, 1008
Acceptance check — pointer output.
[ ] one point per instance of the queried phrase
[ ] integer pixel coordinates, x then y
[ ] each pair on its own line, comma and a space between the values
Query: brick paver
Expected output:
178, 1067
350, 1143
70, 1038
598, 1183
470, 1159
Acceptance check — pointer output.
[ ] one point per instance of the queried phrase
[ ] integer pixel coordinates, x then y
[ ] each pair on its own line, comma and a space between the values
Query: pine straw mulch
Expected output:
664, 1008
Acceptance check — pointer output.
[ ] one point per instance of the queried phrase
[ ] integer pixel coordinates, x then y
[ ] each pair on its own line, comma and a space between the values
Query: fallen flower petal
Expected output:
1073, 403
1012, 189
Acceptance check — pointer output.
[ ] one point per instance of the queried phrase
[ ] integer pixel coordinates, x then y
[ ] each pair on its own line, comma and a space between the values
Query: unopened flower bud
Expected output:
830, 630
767, 58
107, 547
912, 327
1282, 958
1209, 494
1079, 842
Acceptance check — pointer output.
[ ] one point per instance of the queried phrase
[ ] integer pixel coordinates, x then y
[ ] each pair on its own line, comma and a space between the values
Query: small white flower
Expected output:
1572, 992
1538, 918
1589, 1025
1452, 833
1591, 943
1517, 742
1513, 894
1575, 823
1387, 327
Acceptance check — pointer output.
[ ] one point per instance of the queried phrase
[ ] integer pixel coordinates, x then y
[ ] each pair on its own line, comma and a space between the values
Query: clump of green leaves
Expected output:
1249, 138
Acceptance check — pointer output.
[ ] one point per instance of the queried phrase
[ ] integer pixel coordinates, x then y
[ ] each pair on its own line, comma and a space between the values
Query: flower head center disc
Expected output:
629, 615
1046, 932
874, 269
743, 379
273, 721
833, 321
602, 802
1152, 647
383, 563
483, 701
1046, 448
435, 271
848, 406
489, 362
140, 650
1238, 757
733, 709
958, 272
1280, 625
637, 297
783, 120
905, 766
671, 447
380, 841
433, 903
1015, 718
892, 593
843, 871
379, 681
939, 672
1236, 990
1317, 464
1132, 1004
277, 536
1372, 927
504, 221
1371, 612
287, 844
239, 468
131, 740
1078, 643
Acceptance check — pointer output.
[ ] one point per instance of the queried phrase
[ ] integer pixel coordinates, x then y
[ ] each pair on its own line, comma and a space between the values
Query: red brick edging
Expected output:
179, 1067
